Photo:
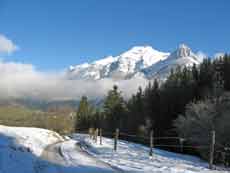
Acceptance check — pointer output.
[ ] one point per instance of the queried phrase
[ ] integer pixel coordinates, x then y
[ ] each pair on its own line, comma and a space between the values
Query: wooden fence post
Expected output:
151, 143
181, 140
91, 133
100, 136
116, 139
212, 149
96, 135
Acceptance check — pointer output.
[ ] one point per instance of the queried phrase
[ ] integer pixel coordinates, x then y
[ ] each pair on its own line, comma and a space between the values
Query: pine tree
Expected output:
114, 109
84, 115
226, 72
136, 111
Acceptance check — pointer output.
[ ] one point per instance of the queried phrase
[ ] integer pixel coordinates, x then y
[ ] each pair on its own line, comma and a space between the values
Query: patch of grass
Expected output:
15, 115
60, 122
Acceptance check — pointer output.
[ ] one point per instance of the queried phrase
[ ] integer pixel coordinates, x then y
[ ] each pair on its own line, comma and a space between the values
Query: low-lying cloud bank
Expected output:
19, 80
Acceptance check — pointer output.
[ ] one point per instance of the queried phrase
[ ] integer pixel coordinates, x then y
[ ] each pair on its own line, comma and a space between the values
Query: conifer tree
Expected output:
84, 115
114, 109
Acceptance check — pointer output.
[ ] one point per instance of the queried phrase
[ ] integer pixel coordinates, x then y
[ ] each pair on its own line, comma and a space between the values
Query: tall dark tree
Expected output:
152, 105
136, 109
226, 72
222, 67
115, 109
84, 115
206, 77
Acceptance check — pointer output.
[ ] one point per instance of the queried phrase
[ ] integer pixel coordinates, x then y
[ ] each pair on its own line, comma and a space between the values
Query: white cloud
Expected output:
23, 80
7, 45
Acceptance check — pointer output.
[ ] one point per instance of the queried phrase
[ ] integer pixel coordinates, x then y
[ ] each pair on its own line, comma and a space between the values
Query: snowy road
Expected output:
52, 154
67, 157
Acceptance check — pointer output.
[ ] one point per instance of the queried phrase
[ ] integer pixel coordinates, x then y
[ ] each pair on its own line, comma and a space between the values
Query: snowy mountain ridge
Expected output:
138, 61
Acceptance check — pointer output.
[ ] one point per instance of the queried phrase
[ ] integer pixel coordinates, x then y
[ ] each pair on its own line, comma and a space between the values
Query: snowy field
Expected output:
132, 157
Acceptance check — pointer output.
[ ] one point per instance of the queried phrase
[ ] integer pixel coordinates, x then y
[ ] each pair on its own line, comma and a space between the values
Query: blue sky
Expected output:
55, 34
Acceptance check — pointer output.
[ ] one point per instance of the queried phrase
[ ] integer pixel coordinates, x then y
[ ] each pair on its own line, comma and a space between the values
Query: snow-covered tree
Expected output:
201, 118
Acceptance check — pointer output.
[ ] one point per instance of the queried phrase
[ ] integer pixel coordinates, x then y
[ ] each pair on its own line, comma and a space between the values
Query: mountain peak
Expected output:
142, 51
183, 46
141, 47
138, 49
183, 51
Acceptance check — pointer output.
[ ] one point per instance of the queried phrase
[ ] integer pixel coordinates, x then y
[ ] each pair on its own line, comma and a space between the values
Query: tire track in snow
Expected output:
53, 155
77, 159
79, 147
76, 156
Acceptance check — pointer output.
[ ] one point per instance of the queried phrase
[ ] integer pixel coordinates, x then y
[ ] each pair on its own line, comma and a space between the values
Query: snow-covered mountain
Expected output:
138, 61
183, 56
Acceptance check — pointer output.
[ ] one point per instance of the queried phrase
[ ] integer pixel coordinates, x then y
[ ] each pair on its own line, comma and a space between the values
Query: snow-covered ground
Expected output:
34, 150
20, 148
131, 157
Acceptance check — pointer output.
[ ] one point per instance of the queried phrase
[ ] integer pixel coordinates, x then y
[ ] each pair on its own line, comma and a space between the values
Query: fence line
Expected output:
162, 145
152, 139
147, 138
